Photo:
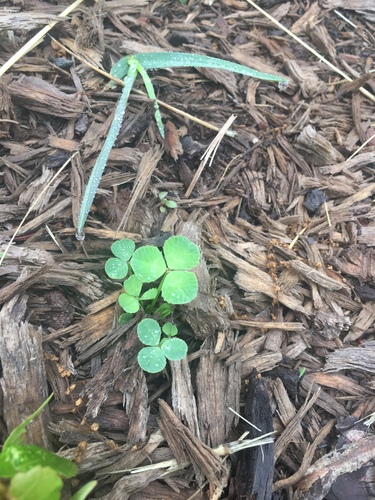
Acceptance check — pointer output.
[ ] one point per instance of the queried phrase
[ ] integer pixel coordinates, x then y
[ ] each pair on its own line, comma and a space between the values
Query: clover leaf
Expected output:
148, 264
179, 287
180, 253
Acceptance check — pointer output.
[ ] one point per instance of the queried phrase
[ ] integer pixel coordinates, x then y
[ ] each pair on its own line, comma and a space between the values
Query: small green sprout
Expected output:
166, 203
169, 270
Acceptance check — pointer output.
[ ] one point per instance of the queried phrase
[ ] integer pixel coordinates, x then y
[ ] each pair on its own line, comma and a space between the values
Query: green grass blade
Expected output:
121, 68
156, 60
101, 162
151, 94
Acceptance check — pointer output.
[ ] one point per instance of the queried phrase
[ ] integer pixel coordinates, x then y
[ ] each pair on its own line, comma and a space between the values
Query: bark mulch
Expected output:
282, 331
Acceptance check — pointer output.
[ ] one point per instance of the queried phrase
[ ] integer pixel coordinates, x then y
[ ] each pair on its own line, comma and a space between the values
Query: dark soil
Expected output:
282, 331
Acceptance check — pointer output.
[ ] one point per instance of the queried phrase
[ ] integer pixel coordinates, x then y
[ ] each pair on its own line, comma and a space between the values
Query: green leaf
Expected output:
129, 303
41, 483
170, 329
180, 253
179, 287
170, 203
101, 161
17, 433
124, 318
151, 359
18, 458
162, 195
164, 310
148, 263
83, 492
123, 249
133, 285
116, 269
174, 349
149, 294
149, 332
156, 60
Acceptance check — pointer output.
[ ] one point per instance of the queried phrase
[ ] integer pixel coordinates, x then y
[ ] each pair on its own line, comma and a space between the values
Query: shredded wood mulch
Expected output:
282, 331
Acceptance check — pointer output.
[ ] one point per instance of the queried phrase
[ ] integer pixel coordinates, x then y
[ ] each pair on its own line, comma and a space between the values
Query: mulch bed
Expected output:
282, 331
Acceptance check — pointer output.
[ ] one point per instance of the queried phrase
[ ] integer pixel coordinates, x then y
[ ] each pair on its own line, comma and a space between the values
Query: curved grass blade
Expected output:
151, 94
101, 162
120, 69
156, 60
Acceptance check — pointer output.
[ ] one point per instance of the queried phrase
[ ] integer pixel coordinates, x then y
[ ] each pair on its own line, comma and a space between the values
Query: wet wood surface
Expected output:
282, 330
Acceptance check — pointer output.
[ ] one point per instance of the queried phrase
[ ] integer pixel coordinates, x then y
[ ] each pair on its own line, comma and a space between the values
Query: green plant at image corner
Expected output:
28, 472
155, 280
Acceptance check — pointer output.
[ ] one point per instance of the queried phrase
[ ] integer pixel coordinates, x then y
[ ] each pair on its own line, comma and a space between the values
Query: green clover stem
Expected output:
153, 303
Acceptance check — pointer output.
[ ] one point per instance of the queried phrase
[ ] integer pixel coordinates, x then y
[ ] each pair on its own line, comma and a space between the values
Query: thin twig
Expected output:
210, 152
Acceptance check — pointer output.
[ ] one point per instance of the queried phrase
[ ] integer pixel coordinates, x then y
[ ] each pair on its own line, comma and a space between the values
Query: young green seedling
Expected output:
32, 472
165, 203
170, 271
127, 68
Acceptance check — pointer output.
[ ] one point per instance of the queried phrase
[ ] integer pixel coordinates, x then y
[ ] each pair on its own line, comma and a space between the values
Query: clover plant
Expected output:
28, 471
155, 280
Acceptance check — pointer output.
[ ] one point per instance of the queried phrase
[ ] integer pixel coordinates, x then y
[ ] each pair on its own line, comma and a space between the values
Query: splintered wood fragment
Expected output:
137, 409
307, 459
268, 325
255, 466
40, 96
358, 161
145, 170
321, 39
293, 429
23, 380
357, 262
316, 276
325, 400
204, 313
351, 358
364, 321
357, 5
326, 470
316, 148
251, 279
218, 387
105, 234
188, 448
261, 363
340, 382
183, 398
353, 85
285, 408
158, 491
129, 459
27, 21
26, 279
32, 193
51, 211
